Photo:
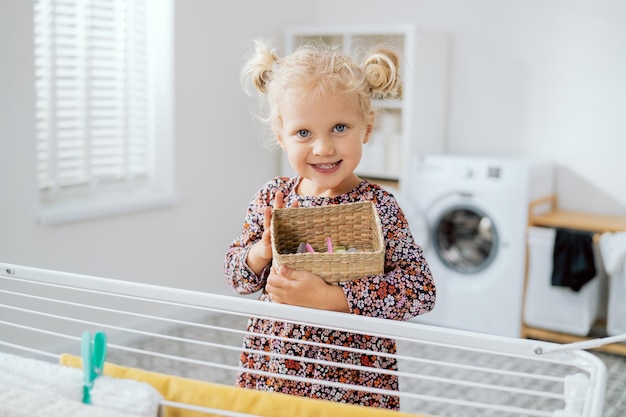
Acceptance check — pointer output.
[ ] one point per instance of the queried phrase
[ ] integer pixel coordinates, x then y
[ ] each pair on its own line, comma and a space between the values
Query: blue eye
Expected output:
303, 133
340, 128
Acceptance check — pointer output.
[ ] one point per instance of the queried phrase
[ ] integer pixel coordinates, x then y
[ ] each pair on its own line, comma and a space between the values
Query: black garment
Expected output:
574, 264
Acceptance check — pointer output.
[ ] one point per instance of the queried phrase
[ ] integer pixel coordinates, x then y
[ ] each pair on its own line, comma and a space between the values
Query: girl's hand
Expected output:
260, 254
305, 289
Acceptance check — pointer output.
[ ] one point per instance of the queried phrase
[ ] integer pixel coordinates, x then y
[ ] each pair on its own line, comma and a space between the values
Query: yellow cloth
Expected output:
205, 394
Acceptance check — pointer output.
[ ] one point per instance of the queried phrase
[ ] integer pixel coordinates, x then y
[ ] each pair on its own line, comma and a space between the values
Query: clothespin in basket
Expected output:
93, 354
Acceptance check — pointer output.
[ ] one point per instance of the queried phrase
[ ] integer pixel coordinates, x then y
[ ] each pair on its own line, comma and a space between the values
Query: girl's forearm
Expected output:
336, 300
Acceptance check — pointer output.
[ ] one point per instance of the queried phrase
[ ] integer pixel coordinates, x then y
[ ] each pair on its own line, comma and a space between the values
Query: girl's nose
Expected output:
323, 146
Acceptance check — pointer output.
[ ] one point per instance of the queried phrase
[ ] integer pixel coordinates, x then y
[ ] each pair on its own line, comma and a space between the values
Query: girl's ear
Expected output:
277, 133
279, 139
281, 143
369, 127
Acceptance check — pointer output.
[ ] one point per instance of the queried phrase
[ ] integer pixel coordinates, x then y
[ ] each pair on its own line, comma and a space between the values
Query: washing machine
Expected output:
470, 214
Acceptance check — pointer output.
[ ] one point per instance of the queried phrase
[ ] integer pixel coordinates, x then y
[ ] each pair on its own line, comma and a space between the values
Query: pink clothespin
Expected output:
309, 248
329, 244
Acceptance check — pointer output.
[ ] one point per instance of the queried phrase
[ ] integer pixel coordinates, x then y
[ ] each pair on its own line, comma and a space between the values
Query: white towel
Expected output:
613, 251
130, 396
36, 376
39, 376
16, 402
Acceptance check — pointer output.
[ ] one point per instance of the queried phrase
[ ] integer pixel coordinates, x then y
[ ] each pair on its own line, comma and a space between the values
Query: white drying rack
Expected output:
442, 372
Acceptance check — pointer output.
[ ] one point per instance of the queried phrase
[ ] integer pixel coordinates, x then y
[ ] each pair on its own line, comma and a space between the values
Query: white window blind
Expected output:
103, 71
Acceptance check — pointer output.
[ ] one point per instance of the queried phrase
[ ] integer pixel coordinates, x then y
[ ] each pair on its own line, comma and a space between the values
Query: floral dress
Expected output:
405, 290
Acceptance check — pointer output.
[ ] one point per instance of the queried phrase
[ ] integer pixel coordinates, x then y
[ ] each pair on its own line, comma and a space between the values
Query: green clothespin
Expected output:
85, 352
93, 354
99, 354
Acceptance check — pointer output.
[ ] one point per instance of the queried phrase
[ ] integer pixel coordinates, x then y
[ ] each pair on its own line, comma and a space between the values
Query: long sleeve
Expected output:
406, 289
239, 276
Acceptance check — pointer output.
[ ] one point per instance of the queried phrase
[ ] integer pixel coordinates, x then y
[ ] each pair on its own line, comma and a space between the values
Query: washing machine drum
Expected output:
465, 239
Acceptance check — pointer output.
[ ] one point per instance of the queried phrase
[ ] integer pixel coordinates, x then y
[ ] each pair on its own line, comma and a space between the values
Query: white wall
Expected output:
220, 162
528, 77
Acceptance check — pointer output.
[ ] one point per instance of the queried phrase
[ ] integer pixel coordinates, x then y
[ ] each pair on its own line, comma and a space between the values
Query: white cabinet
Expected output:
409, 126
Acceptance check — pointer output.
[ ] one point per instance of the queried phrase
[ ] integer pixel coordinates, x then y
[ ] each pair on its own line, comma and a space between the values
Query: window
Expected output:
104, 106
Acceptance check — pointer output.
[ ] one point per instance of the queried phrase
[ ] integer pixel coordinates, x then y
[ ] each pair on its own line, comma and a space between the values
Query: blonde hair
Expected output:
321, 69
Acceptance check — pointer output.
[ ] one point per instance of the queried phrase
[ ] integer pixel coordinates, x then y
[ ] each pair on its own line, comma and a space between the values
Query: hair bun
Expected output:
382, 73
259, 68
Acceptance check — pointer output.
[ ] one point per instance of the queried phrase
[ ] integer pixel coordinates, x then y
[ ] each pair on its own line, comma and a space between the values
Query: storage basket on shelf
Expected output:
351, 225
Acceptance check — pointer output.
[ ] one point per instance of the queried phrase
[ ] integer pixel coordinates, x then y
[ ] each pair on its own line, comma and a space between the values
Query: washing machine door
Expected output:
465, 238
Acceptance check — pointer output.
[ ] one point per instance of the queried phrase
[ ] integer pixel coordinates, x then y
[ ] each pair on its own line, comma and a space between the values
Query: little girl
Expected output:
320, 112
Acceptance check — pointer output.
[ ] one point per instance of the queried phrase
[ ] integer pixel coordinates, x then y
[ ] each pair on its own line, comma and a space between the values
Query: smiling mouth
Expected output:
326, 167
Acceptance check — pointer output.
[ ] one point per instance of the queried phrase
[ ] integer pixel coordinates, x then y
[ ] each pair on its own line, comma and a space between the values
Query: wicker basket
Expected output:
350, 225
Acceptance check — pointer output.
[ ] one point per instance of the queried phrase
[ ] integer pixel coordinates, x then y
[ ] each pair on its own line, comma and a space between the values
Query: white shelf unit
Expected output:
422, 108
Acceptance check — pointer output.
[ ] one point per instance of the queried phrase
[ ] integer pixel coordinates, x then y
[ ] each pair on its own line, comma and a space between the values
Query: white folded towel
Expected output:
613, 250
36, 376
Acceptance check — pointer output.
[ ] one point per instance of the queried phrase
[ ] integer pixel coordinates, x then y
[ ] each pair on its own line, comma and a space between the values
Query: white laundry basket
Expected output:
616, 314
552, 307
613, 250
